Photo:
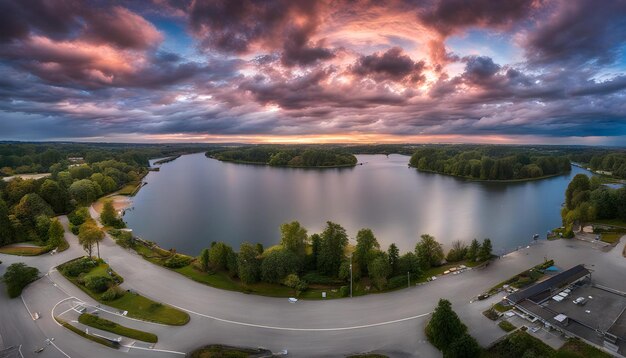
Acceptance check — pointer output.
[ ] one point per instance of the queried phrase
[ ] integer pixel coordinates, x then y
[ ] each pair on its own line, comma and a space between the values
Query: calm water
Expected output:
195, 200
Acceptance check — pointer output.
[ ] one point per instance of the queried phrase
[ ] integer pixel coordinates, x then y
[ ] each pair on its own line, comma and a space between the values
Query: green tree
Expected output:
457, 252
30, 206
249, 265
296, 283
394, 255
379, 269
429, 251
6, 231
365, 243
55, 195
472, 250
409, 263
278, 264
485, 250
464, 346
444, 326
315, 249
85, 191
90, 234
577, 191
204, 260
293, 237
55, 233
108, 216
17, 276
42, 225
218, 255
332, 245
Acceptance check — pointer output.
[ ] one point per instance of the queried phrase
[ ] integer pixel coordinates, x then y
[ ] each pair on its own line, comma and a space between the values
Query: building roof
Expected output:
562, 279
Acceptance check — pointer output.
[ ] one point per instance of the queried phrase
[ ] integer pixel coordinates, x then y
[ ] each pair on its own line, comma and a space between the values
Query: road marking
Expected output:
25, 305
304, 329
155, 350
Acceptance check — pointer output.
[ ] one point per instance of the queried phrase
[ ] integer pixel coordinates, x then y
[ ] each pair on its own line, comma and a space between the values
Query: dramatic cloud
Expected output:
247, 70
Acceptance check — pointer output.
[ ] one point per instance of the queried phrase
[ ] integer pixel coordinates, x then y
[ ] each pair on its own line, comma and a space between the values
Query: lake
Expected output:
195, 200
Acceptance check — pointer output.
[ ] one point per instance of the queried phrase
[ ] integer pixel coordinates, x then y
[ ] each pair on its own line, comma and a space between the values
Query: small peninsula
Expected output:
491, 163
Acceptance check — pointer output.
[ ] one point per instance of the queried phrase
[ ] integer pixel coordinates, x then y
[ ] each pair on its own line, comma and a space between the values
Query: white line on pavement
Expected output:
25, 305
304, 329
154, 350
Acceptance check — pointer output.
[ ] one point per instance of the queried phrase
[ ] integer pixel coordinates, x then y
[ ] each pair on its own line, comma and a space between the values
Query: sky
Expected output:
291, 71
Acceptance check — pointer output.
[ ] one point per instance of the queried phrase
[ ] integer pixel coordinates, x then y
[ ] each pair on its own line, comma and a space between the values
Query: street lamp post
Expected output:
408, 279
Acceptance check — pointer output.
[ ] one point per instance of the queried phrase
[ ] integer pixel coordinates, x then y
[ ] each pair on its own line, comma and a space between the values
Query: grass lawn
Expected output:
611, 222
128, 189
138, 306
80, 332
109, 326
501, 308
24, 250
519, 344
576, 348
219, 351
611, 237
523, 279
506, 326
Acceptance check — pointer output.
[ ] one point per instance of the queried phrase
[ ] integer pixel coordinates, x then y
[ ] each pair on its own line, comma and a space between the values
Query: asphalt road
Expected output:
391, 323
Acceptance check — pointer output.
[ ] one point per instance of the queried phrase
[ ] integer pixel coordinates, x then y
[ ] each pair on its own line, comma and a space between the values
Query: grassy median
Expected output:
110, 326
90, 275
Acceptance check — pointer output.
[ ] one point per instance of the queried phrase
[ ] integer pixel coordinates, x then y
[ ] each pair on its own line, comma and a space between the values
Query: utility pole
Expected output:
350, 275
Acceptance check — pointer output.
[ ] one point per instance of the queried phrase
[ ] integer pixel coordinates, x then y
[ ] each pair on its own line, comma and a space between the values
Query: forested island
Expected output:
287, 156
499, 163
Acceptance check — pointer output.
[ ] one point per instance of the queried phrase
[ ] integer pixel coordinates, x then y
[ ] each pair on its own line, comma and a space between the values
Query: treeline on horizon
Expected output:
287, 156
22, 157
27, 205
490, 162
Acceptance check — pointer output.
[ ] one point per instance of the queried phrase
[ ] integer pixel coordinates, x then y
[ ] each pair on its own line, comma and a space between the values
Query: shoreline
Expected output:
286, 166
468, 179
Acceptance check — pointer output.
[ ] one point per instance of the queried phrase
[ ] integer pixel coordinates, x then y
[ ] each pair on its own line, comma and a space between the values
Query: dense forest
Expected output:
20, 158
612, 163
287, 156
491, 162
587, 200
79, 174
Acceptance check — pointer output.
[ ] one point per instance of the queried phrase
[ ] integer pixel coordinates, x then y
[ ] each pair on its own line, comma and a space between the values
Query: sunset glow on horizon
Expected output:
241, 71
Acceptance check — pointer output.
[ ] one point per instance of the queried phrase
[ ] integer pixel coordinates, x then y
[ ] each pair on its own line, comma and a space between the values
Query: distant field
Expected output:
27, 176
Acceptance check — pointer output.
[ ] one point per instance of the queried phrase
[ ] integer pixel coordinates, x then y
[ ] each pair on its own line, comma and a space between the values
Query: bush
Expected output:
397, 281
491, 314
344, 291
315, 278
177, 261
98, 284
506, 326
112, 293
75, 268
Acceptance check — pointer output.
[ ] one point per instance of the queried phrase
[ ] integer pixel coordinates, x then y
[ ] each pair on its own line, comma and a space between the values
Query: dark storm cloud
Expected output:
579, 32
393, 64
237, 25
95, 68
449, 16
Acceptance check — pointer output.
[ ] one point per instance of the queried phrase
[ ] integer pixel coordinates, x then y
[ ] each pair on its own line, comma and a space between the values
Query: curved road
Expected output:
391, 323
